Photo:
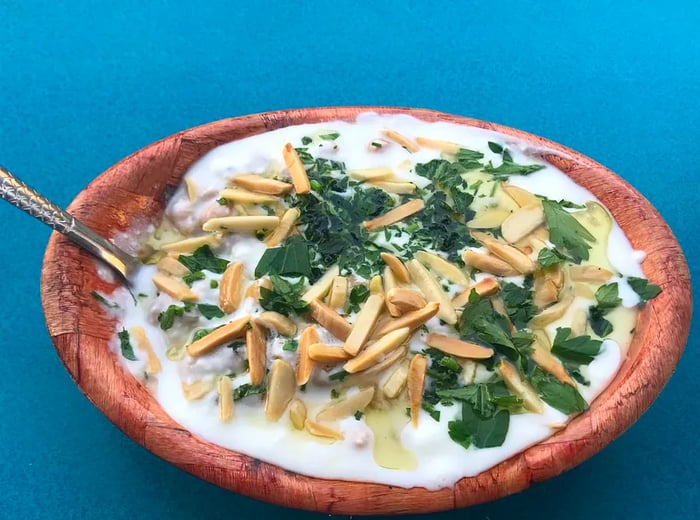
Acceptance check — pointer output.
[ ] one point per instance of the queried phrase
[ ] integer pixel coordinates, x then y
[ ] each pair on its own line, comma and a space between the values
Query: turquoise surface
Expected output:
83, 84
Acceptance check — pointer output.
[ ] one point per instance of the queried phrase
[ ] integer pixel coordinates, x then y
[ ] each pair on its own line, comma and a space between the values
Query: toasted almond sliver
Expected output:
376, 350
395, 215
407, 143
188, 245
520, 261
500, 307
247, 197
436, 144
412, 320
399, 188
225, 391
272, 320
389, 284
297, 413
519, 195
191, 189
296, 169
253, 290
174, 288
432, 290
338, 292
319, 289
488, 264
376, 285
397, 267
370, 375
256, 347
546, 361
553, 312
281, 387
589, 273
396, 382
287, 223
321, 430
404, 300
442, 267
545, 292
488, 219
364, 323
153, 363
170, 265
459, 348
305, 364
329, 319
218, 337
325, 354
520, 388
369, 174
522, 222
231, 288
342, 408
197, 389
247, 224
260, 184
484, 287
415, 384
579, 323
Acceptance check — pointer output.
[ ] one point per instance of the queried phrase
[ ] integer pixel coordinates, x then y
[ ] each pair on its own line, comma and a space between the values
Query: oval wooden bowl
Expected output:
135, 191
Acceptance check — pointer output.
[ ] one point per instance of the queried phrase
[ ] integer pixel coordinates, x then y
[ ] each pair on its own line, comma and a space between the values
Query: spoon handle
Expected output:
16, 192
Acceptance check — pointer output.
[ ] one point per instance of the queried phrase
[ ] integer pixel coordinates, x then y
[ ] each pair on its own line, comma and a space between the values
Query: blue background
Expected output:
83, 85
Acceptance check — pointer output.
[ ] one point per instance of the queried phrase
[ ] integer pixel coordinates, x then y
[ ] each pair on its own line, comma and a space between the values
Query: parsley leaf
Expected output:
432, 412
566, 233
645, 290
166, 319
210, 311
358, 295
483, 432
246, 390
580, 350
330, 136
556, 394
203, 260
518, 303
104, 301
291, 259
284, 297
189, 279
607, 299
459, 433
479, 322
200, 333
549, 257
495, 147
291, 345
125, 345
508, 167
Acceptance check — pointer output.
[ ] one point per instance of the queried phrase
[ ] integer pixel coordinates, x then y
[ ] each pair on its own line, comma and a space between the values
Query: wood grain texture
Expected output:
135, 191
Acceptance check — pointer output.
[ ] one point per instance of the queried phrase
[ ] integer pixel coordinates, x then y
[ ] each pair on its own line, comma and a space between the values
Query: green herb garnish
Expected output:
549, 257
210, 311
566, 233
284, 297
203, 260
189, 279
358, 295
645, 290
125, 345
607, 299
104, 301
561, 396
291, 345
246, 390
290, 259
580, 350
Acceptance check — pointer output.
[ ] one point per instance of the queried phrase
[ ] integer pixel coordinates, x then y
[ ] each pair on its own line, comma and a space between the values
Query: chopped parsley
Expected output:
284, 297
246, 390
125, 345
518, 302
189, 279
210, 311
566, 233
291, 345
290, 259
579, 350
645, 290
330, 136
556, 394
104, 301
203, 260
549, 257
166, 319
358, 295
607, 299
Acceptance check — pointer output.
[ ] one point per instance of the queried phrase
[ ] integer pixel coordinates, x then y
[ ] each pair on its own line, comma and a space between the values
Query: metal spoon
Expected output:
28, 200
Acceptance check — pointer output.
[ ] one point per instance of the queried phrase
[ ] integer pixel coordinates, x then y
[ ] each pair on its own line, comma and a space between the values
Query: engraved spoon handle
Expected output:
28, 200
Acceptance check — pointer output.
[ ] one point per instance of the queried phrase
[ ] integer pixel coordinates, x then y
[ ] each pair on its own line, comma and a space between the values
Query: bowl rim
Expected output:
118, 197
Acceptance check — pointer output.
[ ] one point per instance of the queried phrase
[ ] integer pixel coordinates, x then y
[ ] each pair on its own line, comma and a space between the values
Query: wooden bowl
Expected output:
135, 191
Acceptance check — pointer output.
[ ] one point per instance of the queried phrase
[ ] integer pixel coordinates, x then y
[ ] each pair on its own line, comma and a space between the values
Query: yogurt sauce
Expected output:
439, 462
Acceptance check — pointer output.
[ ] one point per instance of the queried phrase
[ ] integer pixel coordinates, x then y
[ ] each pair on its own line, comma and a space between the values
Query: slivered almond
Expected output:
272, 320
197, 389
297, 413
589, 273
397, 267
376, 285
260, 184
152, 361
342, 408
584, 290
171, 265
370, 375
488, 264
484, 287
442, 267
247, 224
520, 261
231, 288
247, 197
542, 233
416, 383
412, 320
407, 143
488, 219
389, 284
432, 290
468, 371
188, 245
225, 392
325, 354
218, 337
191, 189
372, 174
519, 195
305, 364
338, 292
376, 350
404, 300
552, 313
545, 291
395, 215
256, 347
579, 323
321, 430
174, 288
253, 290
296, 169
459, 348
522, 222
281, 232
396, 382
319, 289
436, 144
364, 323
500, 307
329, 319
546, 361
281, 388
399, 188
531, 401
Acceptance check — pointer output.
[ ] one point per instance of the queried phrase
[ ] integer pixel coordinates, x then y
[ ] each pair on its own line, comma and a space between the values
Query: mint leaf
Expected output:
549, 257
210, 311
580, 350
645, 290
203, 260
125, 345
291, 259
511, 168
358, 295
189, 279
566, 233
561, 396
166, 319
518, 303
104, 301
247, 389
284, 297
